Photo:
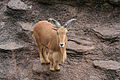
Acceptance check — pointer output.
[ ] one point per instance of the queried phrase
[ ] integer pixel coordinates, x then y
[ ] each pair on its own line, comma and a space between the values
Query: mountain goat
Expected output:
51, 36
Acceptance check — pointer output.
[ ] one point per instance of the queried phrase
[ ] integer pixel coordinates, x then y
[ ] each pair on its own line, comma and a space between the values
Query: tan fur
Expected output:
47, 38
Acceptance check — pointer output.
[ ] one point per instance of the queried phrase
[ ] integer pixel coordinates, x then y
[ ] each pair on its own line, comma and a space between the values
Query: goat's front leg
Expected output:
57, 66
51, 60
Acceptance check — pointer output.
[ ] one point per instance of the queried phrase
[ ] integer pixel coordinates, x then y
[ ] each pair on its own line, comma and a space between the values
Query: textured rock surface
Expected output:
19, 58
108, 65
26, 26
76, 47
79, 2
11, 46
11, 37
115, 2
17, 5
106, 33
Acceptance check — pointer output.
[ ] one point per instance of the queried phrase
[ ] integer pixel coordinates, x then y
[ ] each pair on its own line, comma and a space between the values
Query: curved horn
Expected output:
69, 22
55, 22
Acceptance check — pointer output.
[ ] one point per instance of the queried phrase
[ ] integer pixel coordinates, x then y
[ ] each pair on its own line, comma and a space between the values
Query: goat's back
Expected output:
43, 32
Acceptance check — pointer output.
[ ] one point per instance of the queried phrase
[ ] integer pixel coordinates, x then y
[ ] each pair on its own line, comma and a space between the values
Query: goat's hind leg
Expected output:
50, 57
45, 56
39, 48
41, 55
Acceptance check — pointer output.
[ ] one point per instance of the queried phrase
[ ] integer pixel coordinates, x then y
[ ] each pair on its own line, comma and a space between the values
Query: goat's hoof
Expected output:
57, 69
47, 62
52, 69
42, 61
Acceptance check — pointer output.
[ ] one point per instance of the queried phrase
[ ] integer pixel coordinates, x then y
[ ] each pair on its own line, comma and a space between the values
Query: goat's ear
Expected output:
55, 28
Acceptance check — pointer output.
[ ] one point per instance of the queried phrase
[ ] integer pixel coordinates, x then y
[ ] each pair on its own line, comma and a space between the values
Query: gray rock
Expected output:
11, 46
2, 71
2, 24
12, 37
94, 78
78, 48
107, 33
26, 79
38, 68
26, 26
17, 5
108, 65
6, 71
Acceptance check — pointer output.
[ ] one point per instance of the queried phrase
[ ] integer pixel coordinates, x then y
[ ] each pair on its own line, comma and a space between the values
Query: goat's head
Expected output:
61, 31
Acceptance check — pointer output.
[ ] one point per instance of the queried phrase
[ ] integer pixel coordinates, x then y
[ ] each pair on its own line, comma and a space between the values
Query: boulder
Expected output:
17, 5
108, 65
26, 26
107, 33
12, 37
11, 46
75, 47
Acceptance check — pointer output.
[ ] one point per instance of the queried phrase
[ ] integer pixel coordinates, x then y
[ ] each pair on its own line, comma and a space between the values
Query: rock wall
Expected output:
93, 40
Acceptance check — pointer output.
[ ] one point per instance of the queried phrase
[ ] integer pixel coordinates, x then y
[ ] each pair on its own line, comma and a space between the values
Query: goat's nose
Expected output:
61, 45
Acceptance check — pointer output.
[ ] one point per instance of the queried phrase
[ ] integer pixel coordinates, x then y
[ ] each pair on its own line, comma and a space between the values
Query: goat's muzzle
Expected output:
61, 45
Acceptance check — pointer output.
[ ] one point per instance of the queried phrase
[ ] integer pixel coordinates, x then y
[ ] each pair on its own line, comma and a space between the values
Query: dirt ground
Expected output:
22, 61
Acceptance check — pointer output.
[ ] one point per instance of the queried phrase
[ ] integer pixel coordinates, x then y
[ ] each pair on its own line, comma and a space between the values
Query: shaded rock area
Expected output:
89, 55
115, 2
80, 2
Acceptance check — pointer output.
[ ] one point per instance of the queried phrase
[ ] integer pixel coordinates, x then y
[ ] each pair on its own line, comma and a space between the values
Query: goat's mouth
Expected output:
62, 45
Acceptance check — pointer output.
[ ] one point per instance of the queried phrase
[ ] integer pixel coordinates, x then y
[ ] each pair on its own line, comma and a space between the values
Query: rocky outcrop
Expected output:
11, 46
26, 26
12, 37
79, 46
108, 65
110, 34
111, 68
17, 5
